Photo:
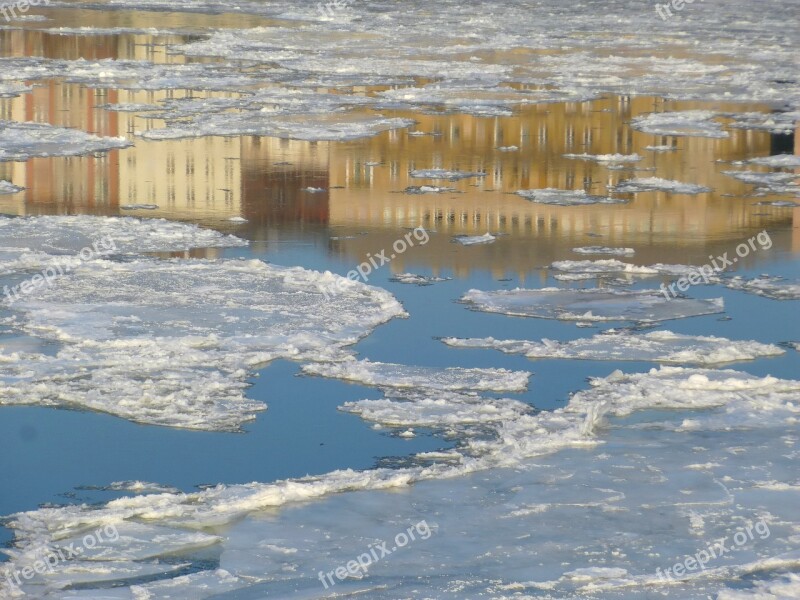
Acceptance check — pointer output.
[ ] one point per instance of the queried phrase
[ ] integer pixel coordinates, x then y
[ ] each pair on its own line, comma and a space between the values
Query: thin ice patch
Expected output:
23, 141
656, 184
604, 250
475, 240
566, 197
430, 378
657, 346
444, 174
775, 288
591, 305
691, 123
204, 327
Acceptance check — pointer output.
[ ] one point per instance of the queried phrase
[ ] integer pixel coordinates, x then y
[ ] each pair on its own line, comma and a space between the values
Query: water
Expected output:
67, 457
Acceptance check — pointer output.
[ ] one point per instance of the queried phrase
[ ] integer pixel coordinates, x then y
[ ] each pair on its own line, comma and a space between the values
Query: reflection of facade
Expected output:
266, 180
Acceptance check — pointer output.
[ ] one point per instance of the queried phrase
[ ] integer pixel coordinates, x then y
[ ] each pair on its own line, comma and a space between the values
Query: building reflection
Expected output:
273, 183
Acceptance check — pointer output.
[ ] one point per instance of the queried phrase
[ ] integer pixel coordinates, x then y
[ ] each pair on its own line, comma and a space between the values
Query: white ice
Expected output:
775, 288
444, 174
590, 304
23, 141
692, 123
474, 240
604, 250
657, 346
566, 197
656, 184
606, 158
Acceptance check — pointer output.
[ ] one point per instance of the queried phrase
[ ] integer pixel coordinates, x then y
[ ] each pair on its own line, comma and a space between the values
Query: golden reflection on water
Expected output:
266, 180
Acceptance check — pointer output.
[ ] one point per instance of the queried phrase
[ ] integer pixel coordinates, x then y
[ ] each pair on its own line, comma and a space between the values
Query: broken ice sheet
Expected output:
22, 141
775, 288
475, 240
779, 183
430, 378
601, 250
678, 418
692, 123
606, 158
31, 242
444, 174
657, 346
566, 197
590, 305
414, 279
6, 187
106, 315
656, 184
777, 161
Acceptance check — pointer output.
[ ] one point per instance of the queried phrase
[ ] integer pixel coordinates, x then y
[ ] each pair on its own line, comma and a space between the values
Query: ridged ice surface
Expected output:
106, 316
22, 141
403, 376
657, 346
590, 305
658, 459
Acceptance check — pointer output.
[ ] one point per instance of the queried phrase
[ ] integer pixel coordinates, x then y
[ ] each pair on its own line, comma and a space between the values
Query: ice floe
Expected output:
604, 250
427, 189
656, 184
23, 141
591, 304
775, 288
656, 346
474, 240
779, 183
393, 375
606, 158
444, 174
203, 326
414, 279
777, 161
692, 123
663, 424
566, 197
6, 187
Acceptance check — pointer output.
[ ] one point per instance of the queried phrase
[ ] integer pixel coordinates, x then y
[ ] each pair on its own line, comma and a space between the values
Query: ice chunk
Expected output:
444, 174
604, 250
10, 90
6, 187
203, 326
41, 237
778, 204
413, 279
695, 123
770, 287
605, 266
606, 158
779, 183
777, 161
783, 587
590, 305
661, 148
474, 240
566, 197
656, 184
23, 141
657, 346
429, 378
427, 189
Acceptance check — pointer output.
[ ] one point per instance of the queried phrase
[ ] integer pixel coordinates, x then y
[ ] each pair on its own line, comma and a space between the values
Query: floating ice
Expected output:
601, 250
657, 346
10, 90
778, 204
138, 207
777, 122
684, 417
22, 141
606, 158
203, 326
566, 197
775, 288
601, 267
444, 174
693, 123
661, 148
414, 279
68, 235
591, 305
779, 183
6, 187
474, 240
402, 376
427, 189
777, 161
656, 184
